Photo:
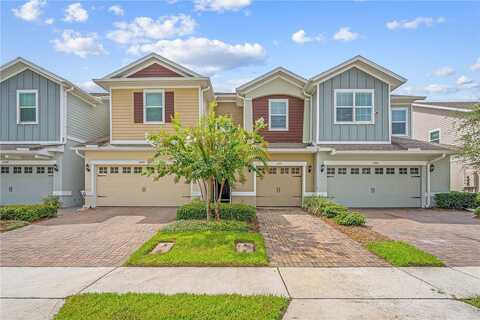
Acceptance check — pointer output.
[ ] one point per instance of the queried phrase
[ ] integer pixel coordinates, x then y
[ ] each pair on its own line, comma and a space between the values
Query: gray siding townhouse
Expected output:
438, 122
42, 117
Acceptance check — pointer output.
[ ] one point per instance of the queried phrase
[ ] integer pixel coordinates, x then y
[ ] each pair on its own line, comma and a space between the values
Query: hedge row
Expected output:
457, 200
196, 210
320, 206
31, 212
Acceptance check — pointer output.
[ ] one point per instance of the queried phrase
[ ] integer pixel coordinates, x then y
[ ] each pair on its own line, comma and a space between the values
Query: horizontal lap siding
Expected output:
123, 125
85, 121
232, 110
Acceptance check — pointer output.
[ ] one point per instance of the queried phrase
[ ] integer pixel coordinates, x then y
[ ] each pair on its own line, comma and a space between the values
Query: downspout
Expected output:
78, 153
429, 197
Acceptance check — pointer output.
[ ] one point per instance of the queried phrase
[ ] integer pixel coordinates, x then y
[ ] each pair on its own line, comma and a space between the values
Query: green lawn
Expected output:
475, 301
201, 248
149, 306
8, 225
401, 254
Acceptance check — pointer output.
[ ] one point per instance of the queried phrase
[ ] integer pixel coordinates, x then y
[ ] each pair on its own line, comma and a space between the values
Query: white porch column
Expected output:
247, 114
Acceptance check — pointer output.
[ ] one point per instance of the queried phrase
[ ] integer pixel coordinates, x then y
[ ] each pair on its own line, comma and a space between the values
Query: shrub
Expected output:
315, 205
27, 212
350, 219
200, 225
332, 210
477, 212
456, 200
229, 211
53, 201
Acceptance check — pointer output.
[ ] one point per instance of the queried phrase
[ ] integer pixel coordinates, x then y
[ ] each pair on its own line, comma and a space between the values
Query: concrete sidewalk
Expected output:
316, 293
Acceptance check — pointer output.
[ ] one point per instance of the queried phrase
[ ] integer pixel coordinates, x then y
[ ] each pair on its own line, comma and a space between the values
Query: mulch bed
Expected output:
363, 235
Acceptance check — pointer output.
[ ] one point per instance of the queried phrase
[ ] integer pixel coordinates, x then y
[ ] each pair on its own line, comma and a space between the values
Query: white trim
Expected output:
31, 142
270, 115
440, 107
439, 135
63, 114
155, 87
119, 162
292, 150
110, 112
162, 91
407, 124
141, 67
354, 92
28, 162
373, 163
19, 92
272, 72
389, 114
312, 194
270, 80
318, 113
62, 193
412, 151
139, 142
76, 139
243, 193
200, 103
354, 142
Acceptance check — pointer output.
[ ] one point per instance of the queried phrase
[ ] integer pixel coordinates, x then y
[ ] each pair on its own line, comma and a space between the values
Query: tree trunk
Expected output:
208, 199
219, 200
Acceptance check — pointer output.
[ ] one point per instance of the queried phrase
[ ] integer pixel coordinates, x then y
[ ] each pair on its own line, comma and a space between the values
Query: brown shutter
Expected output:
138, 107
169, 106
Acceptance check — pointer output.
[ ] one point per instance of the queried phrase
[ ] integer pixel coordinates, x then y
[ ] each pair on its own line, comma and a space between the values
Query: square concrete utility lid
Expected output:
163, 247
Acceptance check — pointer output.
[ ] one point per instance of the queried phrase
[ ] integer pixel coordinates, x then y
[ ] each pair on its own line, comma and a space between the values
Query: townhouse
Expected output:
340, 134
42, 117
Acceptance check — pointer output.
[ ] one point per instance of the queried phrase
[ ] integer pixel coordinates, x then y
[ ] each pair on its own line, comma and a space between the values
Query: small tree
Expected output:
469, 129
216, 150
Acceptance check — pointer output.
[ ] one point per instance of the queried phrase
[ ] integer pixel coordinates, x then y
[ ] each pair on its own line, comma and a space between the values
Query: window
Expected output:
399, 121
50, 170
353, 106
402, 171
17, 170
284, 170
434, 136
378, 170
366, 171
272, 170
40, 170
126, 170
153, 106
414, 171
342, 170
27, 106
102, 170
28, 170
330, 171
295, 171
5, 169
278, 114
137, 170
354, 170
113, 169
390, 171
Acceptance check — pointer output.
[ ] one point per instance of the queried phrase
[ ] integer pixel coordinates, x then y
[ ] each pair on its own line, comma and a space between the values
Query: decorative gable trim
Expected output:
276, 73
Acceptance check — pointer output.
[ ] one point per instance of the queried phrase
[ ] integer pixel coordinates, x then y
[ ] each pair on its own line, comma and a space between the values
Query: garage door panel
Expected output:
280, 187
133, 189
25, 184
375, 189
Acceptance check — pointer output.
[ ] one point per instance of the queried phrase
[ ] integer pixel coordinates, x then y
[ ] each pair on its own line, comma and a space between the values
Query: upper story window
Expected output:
399, 121
354, 106
434, 136
154, 106
278, 114
27, 106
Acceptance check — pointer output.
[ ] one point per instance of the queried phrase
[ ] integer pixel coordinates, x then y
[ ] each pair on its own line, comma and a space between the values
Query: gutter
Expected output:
429, 163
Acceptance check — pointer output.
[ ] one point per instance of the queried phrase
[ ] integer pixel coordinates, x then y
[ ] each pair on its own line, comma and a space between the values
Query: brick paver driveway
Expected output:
100, 237
296, 239
453, 236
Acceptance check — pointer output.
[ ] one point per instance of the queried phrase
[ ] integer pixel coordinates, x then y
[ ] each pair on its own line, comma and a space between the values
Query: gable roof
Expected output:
365, 65
20, 64
278, 72
460, 106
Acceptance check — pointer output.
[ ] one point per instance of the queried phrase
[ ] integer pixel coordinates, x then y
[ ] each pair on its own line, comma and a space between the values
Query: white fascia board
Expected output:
373, 163
440, 107
397, 152
353, 142
28, 162
268, 74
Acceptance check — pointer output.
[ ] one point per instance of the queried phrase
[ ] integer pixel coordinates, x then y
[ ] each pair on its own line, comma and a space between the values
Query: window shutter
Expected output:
169, 106
138, 107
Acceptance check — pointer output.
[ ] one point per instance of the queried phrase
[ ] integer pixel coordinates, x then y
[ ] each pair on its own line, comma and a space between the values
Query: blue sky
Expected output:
435, 45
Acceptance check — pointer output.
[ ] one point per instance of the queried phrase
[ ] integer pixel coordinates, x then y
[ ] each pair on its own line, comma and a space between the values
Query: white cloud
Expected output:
49, 21
30, 10
207, 56
116, 10
476, 65
142, 29
439, 88
82, 46
344, 34
75, 12
221, 5
444, 71
415, 23
463, 80
301, 37
90, 86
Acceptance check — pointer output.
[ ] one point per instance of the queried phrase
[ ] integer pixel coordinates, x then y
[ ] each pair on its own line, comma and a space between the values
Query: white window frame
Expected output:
270, 115
406, 121
18, 106
354, 91
162, 91
430, 135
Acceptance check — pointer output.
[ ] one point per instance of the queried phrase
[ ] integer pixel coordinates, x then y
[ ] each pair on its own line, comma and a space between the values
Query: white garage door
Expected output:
125, 186
280, 187
368, 187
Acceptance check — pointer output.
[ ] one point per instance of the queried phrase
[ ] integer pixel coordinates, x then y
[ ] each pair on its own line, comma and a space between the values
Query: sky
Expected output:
435, 45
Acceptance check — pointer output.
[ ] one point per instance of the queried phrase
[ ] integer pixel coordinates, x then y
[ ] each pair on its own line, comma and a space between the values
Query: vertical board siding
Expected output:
352, 79
85, 121
48, 127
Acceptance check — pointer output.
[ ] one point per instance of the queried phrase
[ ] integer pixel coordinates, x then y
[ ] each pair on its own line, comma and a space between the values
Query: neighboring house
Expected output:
438, 122
340, 134
42, 116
